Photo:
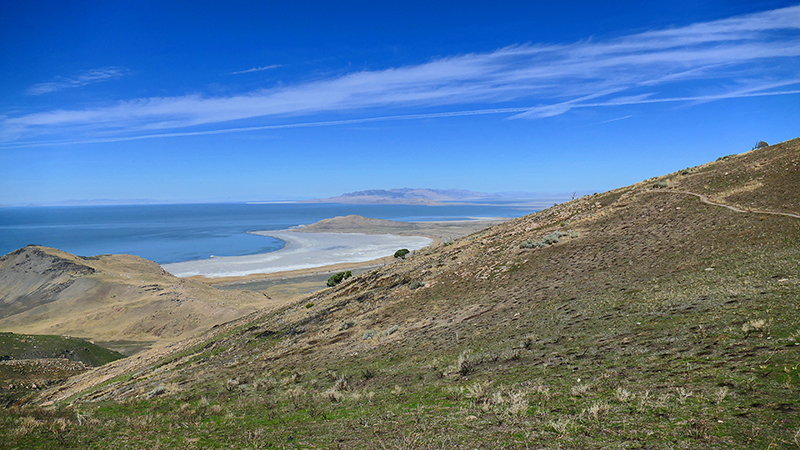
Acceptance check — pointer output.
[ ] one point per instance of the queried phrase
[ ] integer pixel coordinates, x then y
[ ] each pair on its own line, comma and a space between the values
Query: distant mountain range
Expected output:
422, 196
403, 196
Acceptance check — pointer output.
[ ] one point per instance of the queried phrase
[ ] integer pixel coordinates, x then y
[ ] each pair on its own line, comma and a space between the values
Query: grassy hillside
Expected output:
27, 346
666, 315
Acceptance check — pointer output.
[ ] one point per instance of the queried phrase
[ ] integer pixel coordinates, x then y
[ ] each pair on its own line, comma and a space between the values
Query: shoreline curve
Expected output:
301, 250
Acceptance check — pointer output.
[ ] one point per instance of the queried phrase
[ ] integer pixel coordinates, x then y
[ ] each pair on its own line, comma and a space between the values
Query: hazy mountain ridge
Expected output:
421, 196
664, 316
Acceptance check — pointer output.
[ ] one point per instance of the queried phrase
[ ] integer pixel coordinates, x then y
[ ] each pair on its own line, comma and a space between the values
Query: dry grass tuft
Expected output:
27, 424
464, 363
720, 394
623, 395
598, 410
562, 426
518, 404
683, 395
755, 326
580, 389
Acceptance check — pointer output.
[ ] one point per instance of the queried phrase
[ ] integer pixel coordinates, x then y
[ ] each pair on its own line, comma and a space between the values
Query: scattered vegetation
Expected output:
549, 239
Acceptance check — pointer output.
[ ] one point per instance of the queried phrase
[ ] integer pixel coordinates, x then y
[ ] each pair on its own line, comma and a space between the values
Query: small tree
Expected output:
401, 253
760, 145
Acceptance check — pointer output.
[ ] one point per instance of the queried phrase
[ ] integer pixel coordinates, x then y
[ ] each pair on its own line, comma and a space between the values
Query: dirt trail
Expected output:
705, 199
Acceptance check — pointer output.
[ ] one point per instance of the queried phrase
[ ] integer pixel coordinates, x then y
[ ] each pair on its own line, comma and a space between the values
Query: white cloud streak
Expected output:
255, 69
731, 58
616, 119
475, 112
81, 79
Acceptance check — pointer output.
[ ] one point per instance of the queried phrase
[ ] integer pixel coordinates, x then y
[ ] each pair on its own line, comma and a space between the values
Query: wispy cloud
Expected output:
328, 123
81, 79
255, 69
616, 119
750, 55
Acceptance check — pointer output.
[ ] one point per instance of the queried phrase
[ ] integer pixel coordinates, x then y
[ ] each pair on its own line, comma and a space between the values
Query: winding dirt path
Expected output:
705, 199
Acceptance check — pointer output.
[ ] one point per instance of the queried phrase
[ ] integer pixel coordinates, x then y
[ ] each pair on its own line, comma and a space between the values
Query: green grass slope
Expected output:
666, 316
26, 346
30, 363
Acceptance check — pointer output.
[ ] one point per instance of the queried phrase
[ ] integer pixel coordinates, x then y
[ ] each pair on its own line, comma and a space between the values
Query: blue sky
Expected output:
258, 101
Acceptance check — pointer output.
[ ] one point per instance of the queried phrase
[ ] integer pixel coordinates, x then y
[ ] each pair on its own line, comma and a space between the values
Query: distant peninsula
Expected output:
438, 197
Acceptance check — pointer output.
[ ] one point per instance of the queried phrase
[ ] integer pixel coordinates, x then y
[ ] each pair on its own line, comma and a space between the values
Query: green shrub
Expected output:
401, 253
532, 244
338, 278
659, 184
760, 145
552, 238
369, 334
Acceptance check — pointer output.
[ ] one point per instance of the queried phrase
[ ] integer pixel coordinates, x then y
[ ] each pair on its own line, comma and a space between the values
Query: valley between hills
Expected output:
664, 314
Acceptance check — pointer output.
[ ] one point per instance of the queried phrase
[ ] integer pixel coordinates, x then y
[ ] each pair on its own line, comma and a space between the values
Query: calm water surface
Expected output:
174, 233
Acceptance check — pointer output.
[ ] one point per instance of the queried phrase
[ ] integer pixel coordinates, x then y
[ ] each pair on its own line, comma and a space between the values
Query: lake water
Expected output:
174, 233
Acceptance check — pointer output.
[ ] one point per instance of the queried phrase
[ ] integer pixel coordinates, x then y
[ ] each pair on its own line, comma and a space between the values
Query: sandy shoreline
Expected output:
335, 244
302, 250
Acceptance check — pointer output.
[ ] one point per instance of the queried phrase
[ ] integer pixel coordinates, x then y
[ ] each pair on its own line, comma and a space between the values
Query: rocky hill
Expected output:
658, 315
440, 231
125, 301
